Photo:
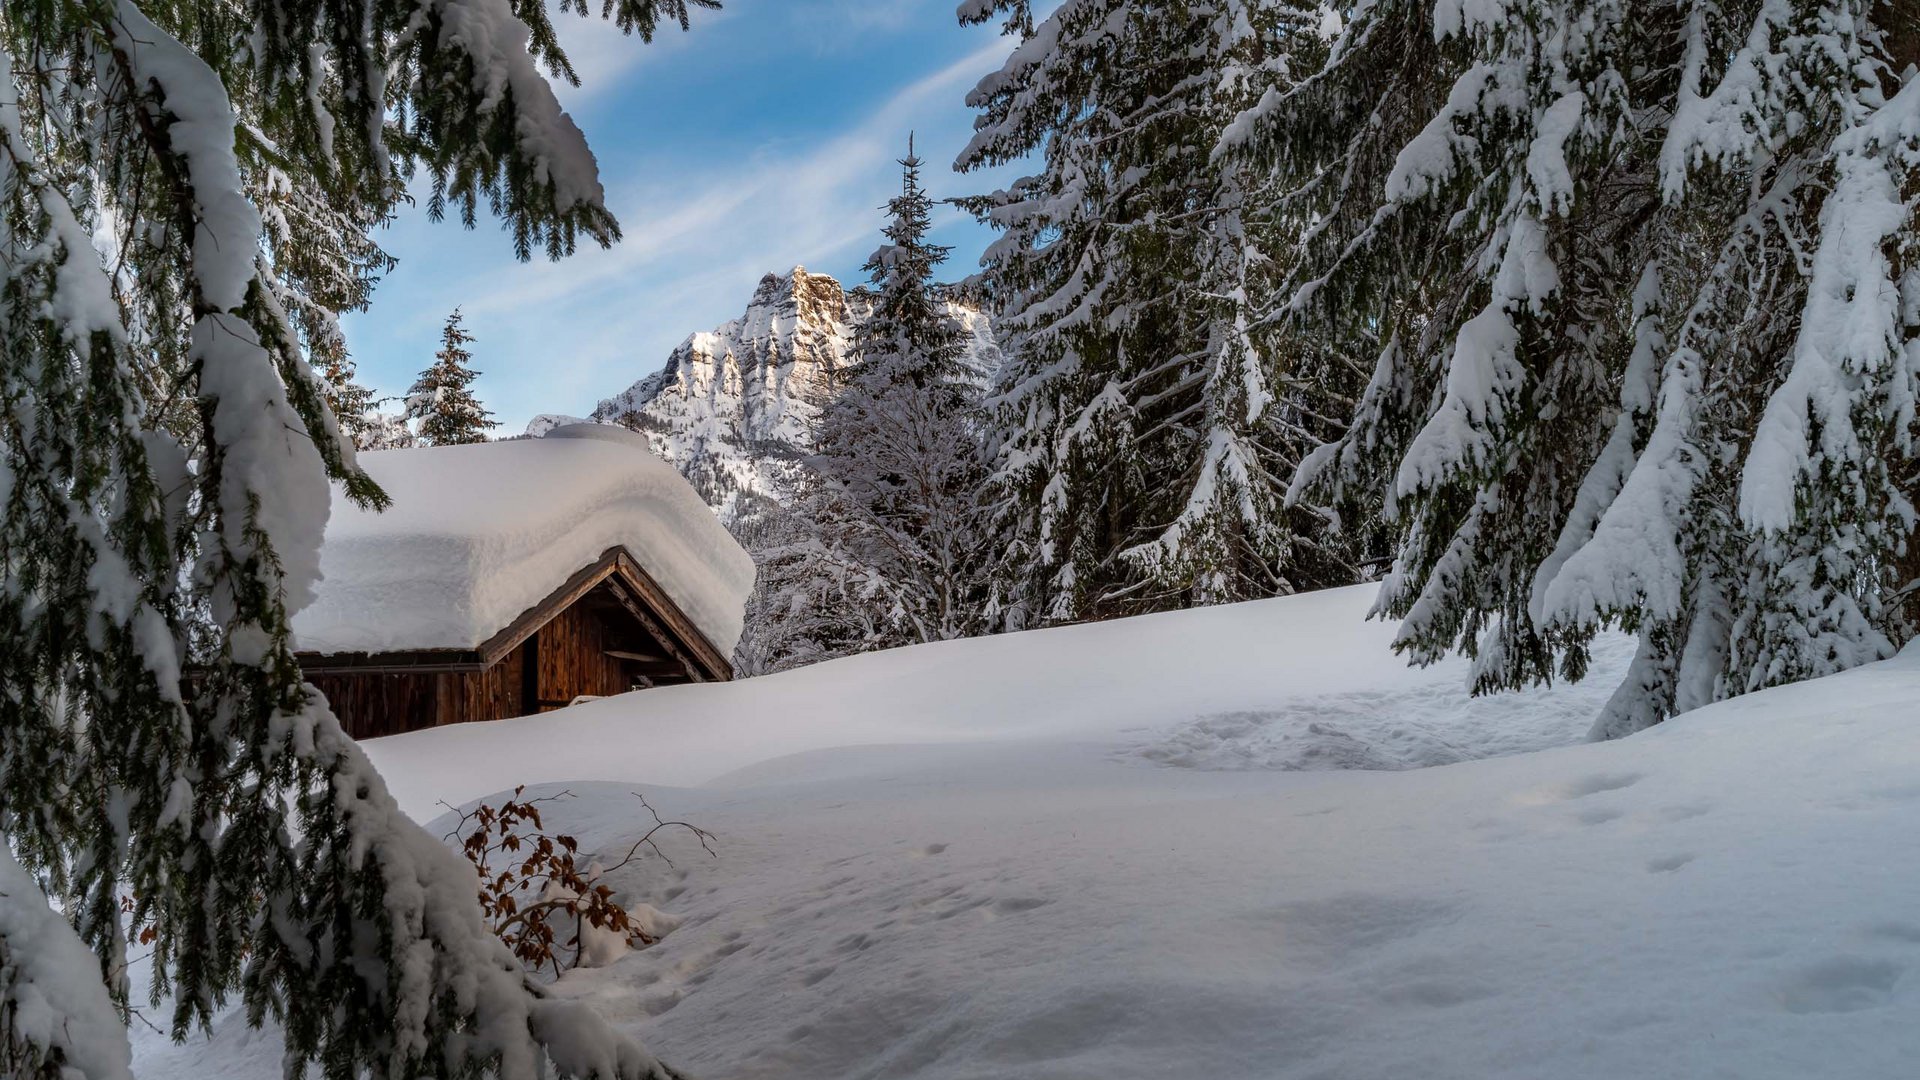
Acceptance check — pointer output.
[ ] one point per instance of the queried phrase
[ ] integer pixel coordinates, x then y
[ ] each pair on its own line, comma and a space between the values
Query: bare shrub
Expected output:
533, 886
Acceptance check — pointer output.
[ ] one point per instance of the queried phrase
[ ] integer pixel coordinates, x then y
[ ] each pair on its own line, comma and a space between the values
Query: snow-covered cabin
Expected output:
514, 577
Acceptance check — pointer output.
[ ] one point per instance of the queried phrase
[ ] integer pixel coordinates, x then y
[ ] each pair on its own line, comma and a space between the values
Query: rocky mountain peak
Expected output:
735, 408
815, 299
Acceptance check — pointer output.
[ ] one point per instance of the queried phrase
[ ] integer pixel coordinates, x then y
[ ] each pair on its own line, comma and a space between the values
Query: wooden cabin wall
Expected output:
571, 655
565, 659
494, 694
370, 705
373, 705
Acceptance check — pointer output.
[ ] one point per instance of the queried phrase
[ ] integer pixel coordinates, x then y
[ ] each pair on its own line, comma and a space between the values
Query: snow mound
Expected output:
546, 422
1000, 889
1716, 897
478, 534
1409, 728
1125, 683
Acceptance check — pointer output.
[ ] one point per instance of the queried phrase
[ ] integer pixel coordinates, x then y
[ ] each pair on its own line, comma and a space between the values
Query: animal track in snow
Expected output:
1581, 788
1840, 985
660, 1004
1599, 782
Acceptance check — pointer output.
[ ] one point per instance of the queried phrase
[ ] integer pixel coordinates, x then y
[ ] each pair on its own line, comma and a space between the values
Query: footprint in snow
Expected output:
1600, 782
1840, 985
1581, 788
1905, 933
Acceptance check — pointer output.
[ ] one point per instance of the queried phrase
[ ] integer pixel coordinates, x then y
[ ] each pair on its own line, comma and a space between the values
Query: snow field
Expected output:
1713, 898
1141, 849
1156, 685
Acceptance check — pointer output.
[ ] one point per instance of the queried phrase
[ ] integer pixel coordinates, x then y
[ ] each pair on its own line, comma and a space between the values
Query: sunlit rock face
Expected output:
736, 407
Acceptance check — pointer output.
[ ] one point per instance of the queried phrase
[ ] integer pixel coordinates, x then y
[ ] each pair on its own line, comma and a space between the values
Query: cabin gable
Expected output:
608, 629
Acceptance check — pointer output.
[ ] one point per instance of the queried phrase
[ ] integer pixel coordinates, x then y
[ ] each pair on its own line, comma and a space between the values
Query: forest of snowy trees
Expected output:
1586, 313
887, 538
1561, 315
1554, 315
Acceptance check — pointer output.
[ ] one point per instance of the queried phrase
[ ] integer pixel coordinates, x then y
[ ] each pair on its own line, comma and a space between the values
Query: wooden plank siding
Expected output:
389, 702
373, 705
616, 572
608, 629
572, 660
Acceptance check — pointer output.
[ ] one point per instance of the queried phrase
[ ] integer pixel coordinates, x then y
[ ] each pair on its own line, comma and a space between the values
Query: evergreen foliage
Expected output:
184, 191
1124, 287
886, 541
357, 409
440, 401
1640, 277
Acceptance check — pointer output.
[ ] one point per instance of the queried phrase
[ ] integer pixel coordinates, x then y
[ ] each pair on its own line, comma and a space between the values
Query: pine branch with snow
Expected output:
1124, 281
179, 227
1645, 274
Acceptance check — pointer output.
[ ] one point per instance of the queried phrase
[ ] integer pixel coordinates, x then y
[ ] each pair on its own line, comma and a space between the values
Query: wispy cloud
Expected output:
700, 228
772, 212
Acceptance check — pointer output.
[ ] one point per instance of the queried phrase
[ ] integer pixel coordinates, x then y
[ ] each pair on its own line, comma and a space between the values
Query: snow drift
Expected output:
1236, 685
1124, 851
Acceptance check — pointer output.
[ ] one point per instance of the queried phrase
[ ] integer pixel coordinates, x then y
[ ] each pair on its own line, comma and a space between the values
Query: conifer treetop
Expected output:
441, 400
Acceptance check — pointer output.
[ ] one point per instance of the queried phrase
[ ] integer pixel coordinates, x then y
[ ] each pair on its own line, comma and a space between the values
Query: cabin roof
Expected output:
479, 538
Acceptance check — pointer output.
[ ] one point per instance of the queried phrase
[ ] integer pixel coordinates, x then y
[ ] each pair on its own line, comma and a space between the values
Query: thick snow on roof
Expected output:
478, 534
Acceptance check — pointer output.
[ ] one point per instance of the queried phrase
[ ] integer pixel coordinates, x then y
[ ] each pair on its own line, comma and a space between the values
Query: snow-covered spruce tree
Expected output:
895, 493
809, 604
1644, 297
440, 402
1148, 424
326, 264
356, 409
165, 451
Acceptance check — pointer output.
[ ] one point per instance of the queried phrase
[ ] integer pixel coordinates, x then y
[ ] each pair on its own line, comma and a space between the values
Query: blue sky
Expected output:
763, 139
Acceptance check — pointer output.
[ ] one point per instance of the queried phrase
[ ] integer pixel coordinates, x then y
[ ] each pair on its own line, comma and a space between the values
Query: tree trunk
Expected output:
1902, 20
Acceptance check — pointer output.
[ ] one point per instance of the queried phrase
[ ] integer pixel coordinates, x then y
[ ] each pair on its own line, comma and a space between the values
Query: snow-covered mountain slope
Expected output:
1090, 852
734, 406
